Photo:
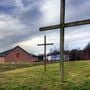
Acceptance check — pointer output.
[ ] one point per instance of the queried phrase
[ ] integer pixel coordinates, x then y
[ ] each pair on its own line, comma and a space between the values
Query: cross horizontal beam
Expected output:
45, 44
70, 24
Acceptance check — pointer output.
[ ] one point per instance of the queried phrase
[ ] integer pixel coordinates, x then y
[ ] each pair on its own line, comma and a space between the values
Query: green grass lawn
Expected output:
77, 77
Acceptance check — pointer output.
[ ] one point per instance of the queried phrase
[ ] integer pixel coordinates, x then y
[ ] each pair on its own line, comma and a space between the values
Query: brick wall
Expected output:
18, 55
1, 59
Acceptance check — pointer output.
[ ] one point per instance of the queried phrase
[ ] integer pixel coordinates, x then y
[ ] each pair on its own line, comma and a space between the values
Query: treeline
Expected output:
74, 54
84, 54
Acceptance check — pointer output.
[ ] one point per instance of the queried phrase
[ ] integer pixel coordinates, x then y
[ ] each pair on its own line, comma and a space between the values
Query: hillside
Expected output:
77, 77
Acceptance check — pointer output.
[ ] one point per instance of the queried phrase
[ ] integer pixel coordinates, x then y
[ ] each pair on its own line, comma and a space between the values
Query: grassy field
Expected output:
25, 77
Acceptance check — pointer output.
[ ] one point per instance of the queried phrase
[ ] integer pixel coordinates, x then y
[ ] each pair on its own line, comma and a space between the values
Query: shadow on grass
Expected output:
24, 88
68, 85
7, 67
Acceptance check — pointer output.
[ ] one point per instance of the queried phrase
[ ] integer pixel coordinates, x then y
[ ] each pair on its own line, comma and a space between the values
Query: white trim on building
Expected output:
57, 57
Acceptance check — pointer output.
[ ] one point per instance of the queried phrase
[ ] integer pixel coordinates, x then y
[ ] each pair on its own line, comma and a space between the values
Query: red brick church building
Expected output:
17, 54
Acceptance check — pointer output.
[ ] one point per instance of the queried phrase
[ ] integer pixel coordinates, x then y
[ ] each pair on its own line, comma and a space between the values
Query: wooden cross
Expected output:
45, 44
62, 26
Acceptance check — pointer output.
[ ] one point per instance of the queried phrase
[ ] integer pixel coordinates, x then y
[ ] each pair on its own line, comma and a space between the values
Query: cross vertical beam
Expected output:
45, 44
45, 53
62, 20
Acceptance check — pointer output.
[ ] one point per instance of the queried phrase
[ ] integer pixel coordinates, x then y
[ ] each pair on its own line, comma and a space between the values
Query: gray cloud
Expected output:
21, 20
77, 10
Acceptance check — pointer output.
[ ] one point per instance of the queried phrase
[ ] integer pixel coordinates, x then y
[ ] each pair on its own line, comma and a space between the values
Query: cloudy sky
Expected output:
20, 21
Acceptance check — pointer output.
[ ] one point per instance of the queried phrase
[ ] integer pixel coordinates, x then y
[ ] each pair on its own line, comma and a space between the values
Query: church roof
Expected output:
3, 54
